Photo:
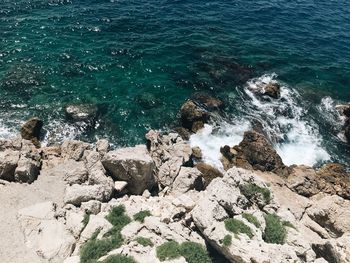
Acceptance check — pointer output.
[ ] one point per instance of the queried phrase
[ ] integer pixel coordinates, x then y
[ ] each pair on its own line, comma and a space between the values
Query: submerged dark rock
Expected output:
84, 115
22, 78
272, 90
209, 102
148, 100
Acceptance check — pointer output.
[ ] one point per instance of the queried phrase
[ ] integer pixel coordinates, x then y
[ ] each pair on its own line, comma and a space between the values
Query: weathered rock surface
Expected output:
193, 116
332, 178
72, 171
31, 129
21, 165
44, 234
255, 152
169, 153
8, 164
74, 149
77, 194
188, 179
133, 165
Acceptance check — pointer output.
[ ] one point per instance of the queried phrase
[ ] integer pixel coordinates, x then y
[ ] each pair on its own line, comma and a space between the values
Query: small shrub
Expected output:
250, 190
237, 226
169, 250
119, 259
86, 220
251, 219
194, 253
275, 231
140, 216
227, 241
96, 248
118, 218
146, 242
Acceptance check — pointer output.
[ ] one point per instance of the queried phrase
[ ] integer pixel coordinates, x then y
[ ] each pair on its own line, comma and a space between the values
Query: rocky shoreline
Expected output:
159, 202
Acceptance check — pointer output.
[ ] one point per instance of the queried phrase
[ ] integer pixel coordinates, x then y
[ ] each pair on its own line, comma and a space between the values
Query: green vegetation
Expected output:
251, 219
118, 218
192, 252
119, 259
250, 190
86, 220
168, 251
275, 231
144, 241
140, 216
237, 226
227, 241
95, 248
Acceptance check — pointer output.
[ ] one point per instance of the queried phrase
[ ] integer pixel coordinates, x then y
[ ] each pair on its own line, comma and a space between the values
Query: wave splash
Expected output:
285, 121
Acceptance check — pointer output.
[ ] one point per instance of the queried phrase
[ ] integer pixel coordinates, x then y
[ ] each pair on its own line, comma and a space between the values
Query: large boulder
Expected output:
257, 152
133, 165
77, 194
31, 130
193, 116
209, 102
188, 179
169, 152
8, 164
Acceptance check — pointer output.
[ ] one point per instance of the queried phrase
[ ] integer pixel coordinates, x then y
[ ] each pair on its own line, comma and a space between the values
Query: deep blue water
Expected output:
116, 53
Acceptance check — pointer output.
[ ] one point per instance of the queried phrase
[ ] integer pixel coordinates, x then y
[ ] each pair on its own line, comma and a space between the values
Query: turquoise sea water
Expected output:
138, 61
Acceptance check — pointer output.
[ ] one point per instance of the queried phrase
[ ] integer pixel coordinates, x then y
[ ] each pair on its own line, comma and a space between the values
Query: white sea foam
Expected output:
210, 140
299, 140
6, 132
295, 137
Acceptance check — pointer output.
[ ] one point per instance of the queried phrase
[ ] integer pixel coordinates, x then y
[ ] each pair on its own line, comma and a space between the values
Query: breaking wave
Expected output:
284, 121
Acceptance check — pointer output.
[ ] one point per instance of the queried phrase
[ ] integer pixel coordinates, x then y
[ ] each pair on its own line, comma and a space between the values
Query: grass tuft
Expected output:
86, 220
275, 231
146, 242
251, 219
95, 248
118, 218
227, 241
169, 250
194, 253
237, 226
191, 251
119, 259
250, 190
140, 216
